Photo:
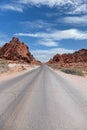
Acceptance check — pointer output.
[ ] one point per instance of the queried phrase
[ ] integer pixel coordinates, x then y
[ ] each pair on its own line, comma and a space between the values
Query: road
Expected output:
41, 100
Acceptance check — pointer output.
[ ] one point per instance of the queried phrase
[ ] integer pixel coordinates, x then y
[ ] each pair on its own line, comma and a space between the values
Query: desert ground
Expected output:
80, 82
16, 70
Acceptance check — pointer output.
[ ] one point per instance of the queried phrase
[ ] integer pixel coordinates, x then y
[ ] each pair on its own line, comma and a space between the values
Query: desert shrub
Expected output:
72, 71
3, 66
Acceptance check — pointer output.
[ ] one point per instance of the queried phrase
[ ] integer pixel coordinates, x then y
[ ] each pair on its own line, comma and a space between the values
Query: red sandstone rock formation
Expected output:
17, 51
70, 59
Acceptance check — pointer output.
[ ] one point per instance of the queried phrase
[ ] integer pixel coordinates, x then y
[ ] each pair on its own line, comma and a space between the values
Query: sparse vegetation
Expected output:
54, 66
72, 71
3, 66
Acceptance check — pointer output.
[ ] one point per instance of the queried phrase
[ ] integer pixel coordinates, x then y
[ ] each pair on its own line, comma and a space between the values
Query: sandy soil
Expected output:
78, 81
16, 70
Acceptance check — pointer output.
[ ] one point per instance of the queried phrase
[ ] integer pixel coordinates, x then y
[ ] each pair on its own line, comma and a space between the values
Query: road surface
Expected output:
41, 100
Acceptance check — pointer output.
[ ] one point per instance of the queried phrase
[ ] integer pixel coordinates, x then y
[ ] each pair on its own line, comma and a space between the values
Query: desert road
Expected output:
41, 100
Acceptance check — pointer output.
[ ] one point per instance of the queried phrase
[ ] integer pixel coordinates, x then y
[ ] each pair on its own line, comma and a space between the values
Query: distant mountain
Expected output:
17, 51
70, 59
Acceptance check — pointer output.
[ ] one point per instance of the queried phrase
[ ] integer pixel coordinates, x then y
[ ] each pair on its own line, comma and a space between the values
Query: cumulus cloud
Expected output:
80, 20
58, 35
45, 55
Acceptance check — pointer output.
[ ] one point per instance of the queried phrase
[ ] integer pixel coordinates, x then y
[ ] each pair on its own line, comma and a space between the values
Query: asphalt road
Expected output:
41, 100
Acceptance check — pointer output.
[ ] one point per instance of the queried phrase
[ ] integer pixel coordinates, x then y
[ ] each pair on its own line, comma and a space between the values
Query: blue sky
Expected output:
46, 26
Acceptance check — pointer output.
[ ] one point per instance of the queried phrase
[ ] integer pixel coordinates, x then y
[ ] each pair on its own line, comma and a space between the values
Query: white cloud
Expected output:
49, 2
45, 55
76, 6
43, 41
38, 24
11, 7
82, 8
42, 2
80, 20
58, 35
72, 6
48, 42
26, 34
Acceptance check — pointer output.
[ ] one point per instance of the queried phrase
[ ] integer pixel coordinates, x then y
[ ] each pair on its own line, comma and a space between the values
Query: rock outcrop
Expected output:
70, 59
17, 51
